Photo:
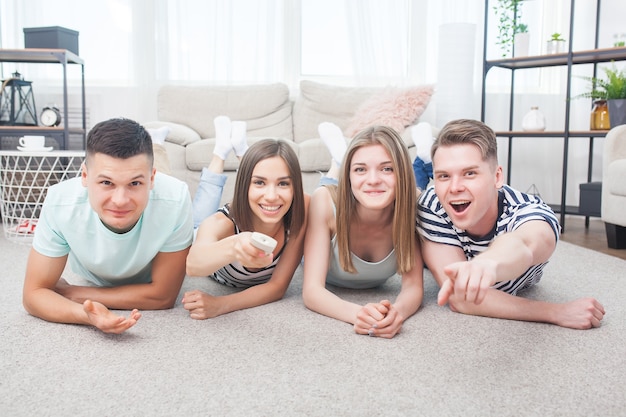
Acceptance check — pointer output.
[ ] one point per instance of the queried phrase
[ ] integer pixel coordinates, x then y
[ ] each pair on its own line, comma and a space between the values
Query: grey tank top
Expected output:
368, 275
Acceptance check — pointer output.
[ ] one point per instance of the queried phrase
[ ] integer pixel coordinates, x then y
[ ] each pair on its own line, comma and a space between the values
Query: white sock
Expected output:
423, 139
334, 140
158, 135
238, 137
223, 145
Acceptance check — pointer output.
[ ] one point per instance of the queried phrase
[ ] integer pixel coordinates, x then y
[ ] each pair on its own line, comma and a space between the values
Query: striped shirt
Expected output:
515, 208
237, 275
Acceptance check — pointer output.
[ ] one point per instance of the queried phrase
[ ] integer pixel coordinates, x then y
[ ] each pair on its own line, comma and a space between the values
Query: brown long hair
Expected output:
259, 151
404, 215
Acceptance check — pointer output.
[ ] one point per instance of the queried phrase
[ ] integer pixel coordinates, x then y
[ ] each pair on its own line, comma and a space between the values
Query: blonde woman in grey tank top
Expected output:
362, 232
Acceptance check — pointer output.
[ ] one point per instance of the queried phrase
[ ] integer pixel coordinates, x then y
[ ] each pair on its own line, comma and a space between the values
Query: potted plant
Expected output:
556, 44
613, 90
509, 16
521, 40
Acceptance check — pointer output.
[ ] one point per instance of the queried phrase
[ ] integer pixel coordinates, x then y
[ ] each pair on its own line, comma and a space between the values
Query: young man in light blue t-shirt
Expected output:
125, 228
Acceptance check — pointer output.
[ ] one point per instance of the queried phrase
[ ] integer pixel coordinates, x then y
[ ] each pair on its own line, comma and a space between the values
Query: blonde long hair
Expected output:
404, 215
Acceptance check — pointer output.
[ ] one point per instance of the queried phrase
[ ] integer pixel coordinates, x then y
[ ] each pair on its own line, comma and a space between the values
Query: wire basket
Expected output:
24, 178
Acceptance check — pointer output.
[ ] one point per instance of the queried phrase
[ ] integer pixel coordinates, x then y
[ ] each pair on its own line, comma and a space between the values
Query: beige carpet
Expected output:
282, 359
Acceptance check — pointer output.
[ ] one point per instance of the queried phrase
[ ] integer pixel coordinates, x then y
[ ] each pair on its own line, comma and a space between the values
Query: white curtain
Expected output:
378, 39
222, 41
131, 47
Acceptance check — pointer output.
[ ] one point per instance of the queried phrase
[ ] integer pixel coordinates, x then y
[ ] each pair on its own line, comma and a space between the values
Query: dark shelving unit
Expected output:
567, 59
49, 56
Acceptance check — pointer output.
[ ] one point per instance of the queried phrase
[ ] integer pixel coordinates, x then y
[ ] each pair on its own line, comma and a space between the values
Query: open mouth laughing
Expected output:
459, 206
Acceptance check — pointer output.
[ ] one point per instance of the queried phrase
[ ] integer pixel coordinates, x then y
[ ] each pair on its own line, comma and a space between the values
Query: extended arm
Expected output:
202, 305
412, 290
41, 300
507, 258
316, 260
168, 273
583, 313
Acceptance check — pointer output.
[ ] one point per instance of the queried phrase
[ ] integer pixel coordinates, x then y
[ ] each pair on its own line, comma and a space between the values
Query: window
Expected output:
355, 38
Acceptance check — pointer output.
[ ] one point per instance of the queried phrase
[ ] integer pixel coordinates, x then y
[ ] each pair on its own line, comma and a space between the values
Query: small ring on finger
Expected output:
370, 332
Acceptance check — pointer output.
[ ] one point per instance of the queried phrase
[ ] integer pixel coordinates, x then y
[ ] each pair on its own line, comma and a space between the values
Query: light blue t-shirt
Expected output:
68, 224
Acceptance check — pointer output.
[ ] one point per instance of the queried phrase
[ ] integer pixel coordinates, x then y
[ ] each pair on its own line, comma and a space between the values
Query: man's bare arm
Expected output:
168, 273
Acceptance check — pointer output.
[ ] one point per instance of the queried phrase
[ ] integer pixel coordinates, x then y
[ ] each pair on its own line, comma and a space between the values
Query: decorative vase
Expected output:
617, 111
599, 119
534, 121
555, 47
520, 44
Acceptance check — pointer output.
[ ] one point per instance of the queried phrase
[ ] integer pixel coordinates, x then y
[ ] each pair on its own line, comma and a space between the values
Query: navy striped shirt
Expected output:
514, 207
237, 275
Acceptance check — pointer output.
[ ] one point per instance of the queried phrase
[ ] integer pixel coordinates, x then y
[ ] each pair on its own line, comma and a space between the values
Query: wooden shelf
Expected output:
554, 134
22, 130
573, 210
32, 55
579, 57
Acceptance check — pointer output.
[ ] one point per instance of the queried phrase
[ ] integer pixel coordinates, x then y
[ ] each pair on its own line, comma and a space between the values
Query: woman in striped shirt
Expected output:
268, 198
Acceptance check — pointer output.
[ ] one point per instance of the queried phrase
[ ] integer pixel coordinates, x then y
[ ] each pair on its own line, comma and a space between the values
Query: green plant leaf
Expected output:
613, 87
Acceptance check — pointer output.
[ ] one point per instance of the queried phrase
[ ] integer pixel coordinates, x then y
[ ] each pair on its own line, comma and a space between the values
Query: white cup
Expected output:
33, 142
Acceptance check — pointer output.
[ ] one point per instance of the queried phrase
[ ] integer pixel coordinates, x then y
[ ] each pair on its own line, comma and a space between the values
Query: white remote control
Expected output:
263, 242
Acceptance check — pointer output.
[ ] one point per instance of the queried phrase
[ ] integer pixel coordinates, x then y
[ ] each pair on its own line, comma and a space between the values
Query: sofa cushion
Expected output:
313, 156
265, 108
319, 103
393, 107
198, 155
615, 177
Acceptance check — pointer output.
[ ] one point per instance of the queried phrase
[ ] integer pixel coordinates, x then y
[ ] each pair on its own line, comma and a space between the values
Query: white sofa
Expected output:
614, 187
270, 111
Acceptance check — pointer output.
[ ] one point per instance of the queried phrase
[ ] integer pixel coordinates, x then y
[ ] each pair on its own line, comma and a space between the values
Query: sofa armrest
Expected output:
179, 134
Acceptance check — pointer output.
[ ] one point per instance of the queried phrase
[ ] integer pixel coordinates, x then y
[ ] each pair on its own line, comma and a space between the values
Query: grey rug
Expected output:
281, 359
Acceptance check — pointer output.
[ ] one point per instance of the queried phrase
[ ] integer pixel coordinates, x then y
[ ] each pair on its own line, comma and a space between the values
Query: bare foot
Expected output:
584, 313
105, 320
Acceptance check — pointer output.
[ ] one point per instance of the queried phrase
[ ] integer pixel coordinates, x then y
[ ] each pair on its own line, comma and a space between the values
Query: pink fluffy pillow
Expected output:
395, 107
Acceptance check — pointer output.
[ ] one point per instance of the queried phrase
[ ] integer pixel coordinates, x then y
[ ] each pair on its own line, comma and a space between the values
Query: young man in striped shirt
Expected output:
483, 241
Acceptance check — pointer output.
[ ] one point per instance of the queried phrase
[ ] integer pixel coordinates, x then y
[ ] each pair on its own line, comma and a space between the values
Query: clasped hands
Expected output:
468, 281
378, 319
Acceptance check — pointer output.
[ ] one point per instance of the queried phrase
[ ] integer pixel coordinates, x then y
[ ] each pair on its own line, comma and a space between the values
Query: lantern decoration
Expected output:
17, 102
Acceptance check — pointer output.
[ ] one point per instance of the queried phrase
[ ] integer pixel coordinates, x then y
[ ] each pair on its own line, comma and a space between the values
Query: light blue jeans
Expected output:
208, 196
324, 180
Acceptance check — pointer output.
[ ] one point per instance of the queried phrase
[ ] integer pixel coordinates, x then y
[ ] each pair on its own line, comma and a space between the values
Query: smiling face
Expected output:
271, 190
372, 177
467, 187
118, 189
